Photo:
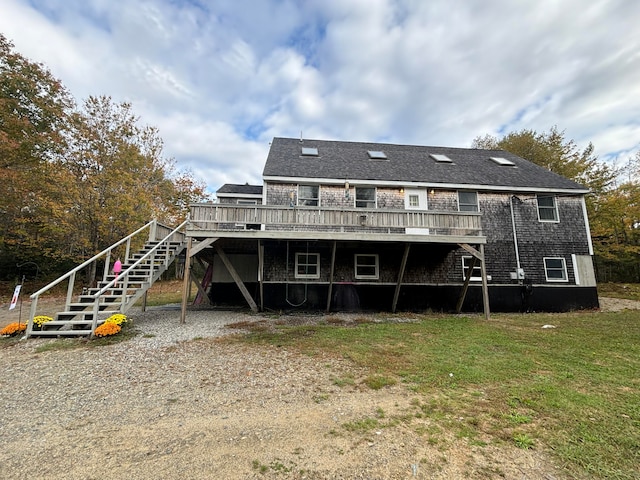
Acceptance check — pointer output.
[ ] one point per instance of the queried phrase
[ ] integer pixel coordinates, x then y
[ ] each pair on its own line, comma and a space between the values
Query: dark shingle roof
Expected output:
408, 163
245, 189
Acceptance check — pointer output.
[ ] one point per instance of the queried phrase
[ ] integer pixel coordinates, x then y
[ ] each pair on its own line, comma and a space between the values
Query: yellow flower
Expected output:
117, 319
107, 328
40, 319
13, 328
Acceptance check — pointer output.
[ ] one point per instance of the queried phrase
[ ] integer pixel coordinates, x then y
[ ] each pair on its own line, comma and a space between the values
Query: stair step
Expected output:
59, 323
60, 333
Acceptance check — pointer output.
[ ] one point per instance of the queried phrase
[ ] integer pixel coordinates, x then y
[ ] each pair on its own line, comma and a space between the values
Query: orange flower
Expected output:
13, 328
107, 328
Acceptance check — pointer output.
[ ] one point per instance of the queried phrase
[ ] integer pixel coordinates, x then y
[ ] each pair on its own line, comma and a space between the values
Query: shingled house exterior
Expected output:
350, 225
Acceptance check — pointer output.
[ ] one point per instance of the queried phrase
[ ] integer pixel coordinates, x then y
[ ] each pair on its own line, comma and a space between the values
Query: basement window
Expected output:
307, 265
476, 274
366, 266
555, 269
377, 155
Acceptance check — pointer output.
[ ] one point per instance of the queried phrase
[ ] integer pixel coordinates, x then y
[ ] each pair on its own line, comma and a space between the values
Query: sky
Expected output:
221, 78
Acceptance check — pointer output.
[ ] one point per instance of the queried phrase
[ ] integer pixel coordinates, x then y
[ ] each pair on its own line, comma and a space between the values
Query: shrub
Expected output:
13, 328
107, 328
40, 319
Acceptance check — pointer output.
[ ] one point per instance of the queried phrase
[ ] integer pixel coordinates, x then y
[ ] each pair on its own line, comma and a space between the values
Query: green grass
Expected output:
629, 291
573, 390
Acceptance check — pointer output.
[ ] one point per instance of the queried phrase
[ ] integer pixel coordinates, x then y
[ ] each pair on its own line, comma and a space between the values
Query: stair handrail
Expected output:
122, 277
72, 273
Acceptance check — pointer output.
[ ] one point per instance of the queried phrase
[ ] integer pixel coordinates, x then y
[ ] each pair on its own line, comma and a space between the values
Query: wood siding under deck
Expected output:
265, 221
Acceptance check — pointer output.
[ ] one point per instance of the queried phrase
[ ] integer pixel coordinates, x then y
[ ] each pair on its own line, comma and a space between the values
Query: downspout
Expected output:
515, 235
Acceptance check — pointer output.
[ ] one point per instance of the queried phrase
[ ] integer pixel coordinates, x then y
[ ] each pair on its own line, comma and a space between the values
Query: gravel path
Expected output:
176, 403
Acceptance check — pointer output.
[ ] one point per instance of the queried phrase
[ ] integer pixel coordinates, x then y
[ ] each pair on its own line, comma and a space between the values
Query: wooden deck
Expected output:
277, 222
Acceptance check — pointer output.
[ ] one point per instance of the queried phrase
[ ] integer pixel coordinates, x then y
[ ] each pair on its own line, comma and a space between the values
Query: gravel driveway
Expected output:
165, 406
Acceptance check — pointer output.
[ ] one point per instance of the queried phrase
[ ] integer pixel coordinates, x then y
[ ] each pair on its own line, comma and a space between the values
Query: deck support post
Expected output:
403, 265
333, 265
476, 255
261, 273
186, 282
485, 287
236, 278
467, 279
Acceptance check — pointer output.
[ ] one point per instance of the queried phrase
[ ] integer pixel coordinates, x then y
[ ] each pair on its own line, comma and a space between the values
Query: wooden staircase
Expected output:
140, 270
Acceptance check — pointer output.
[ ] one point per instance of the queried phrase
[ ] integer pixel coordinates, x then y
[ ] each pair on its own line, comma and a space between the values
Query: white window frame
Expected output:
302, 199
375, 197
466, 259
358, 265
476, 205
565, 274
556, 215
308, 263
411, 197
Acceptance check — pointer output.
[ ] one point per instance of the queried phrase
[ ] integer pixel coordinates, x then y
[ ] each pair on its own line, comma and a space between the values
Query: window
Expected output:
440, 158
414, 200
309, 152
555, 268
365, 197
366, 266
476, 275
467, 201
307, 265
547, 208
503, 162
377, 155
308, 195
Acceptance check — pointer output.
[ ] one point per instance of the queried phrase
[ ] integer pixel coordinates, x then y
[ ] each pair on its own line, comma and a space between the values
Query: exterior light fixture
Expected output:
346, 190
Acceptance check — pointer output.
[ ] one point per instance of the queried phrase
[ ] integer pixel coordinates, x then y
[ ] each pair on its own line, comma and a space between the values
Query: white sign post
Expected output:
14, 299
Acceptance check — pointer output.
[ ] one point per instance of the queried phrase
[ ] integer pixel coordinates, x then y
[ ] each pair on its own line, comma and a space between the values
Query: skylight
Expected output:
309, 151
438, 157
502, 161
377, 155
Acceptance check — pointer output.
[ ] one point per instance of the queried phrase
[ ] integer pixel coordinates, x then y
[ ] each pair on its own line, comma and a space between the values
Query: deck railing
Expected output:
222, 217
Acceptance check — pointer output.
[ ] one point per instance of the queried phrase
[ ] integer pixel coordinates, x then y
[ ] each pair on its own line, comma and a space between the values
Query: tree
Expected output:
34, 108
552, 151
117, 178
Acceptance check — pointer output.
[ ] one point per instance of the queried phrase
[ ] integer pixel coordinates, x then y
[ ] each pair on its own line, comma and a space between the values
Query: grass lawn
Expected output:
620, 290
573, 390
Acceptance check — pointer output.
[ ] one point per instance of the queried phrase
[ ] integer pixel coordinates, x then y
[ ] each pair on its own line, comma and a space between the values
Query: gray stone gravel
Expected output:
174, 402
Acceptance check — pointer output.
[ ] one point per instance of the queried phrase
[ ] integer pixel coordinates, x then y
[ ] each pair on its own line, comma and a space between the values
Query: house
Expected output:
352, 225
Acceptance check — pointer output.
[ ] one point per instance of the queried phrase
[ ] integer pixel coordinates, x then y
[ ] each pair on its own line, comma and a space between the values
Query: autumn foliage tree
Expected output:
34, 109
75, 180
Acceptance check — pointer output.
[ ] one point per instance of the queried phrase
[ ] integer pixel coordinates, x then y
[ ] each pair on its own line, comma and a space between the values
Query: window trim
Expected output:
375, 196
301, 199
465, 267
476, 205
556, 214
358, 276
317, 265
564, 270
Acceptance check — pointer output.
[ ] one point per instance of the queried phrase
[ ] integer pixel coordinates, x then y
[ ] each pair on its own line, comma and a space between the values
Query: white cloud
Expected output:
221, 79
